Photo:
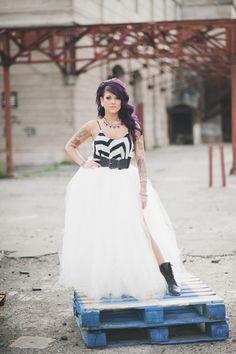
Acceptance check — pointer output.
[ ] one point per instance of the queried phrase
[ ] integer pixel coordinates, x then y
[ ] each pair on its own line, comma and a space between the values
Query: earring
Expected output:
102, 105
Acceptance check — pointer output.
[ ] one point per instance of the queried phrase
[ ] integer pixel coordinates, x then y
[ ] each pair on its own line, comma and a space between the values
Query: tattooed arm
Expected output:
140, 159
76, 140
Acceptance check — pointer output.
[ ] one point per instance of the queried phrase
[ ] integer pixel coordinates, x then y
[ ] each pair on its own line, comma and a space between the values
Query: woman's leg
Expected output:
156, 249
165, 267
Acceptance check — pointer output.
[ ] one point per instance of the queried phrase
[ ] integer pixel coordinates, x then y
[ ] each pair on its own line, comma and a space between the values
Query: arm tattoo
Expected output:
142, 170
79, 138
139, 152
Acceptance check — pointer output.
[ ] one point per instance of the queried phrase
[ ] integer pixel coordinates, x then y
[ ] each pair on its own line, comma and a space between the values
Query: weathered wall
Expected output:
43, 117
36, 12
50, 111
208, 9
59, 12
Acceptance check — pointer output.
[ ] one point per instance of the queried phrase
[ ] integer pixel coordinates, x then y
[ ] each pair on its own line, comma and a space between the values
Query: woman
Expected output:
118, 239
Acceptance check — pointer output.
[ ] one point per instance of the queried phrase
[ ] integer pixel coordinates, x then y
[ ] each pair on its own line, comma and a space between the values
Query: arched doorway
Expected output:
118, 72
180, 124
136, 81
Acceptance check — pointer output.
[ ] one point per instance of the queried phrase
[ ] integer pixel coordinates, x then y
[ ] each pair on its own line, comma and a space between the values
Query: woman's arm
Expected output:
140, 159
76, 140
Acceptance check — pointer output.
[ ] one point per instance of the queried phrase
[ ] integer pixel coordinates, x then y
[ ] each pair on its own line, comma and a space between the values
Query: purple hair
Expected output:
126, 113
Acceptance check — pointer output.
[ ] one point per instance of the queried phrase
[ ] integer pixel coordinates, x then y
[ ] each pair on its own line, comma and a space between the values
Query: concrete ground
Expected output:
38, 313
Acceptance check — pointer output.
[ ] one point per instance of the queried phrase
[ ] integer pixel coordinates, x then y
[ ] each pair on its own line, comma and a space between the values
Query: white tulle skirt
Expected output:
107, 248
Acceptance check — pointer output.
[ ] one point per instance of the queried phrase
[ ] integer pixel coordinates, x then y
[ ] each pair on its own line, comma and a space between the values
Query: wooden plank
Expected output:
148, 315
198, 314
196, 332
154, 302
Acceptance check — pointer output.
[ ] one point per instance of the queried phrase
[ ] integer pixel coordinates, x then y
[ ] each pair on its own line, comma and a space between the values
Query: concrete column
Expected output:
7, 92
197, 128
197, 133
233, 98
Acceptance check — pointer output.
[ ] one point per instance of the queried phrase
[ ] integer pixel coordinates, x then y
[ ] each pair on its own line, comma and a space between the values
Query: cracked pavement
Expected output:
31, 224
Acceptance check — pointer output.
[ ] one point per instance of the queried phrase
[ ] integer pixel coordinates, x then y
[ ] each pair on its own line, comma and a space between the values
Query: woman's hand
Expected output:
143, 198
91, 164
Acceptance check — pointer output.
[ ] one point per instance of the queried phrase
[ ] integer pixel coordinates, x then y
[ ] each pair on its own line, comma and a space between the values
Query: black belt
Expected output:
114, 163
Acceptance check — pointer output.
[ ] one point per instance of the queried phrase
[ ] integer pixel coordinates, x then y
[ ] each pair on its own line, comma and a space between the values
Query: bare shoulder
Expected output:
87, 126
138, 130
92, 123
82, 134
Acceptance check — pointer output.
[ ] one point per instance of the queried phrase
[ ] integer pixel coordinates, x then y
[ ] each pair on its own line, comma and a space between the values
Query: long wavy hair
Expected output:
126, 112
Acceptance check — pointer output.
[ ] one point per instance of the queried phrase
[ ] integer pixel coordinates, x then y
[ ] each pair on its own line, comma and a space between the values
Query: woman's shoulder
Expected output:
137, 125
138, 130
90, 124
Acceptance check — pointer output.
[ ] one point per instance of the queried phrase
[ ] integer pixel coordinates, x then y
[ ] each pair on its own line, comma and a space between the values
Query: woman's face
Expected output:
111, 103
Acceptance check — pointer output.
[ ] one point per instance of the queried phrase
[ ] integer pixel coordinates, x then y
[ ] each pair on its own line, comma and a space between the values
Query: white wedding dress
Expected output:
106, 248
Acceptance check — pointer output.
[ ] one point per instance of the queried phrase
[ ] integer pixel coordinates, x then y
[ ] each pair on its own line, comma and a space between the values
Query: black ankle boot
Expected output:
166, 271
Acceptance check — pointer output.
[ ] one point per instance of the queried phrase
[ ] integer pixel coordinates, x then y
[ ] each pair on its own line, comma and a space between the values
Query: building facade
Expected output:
50, 107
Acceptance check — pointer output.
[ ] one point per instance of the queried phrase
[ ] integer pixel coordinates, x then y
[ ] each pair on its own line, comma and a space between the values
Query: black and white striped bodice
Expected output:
121, 148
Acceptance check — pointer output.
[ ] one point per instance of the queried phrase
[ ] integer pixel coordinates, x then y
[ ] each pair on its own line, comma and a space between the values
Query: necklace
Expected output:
111, 125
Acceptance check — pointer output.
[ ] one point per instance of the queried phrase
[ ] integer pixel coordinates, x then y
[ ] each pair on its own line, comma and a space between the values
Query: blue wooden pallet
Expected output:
197, 303
197, 315
200, 332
